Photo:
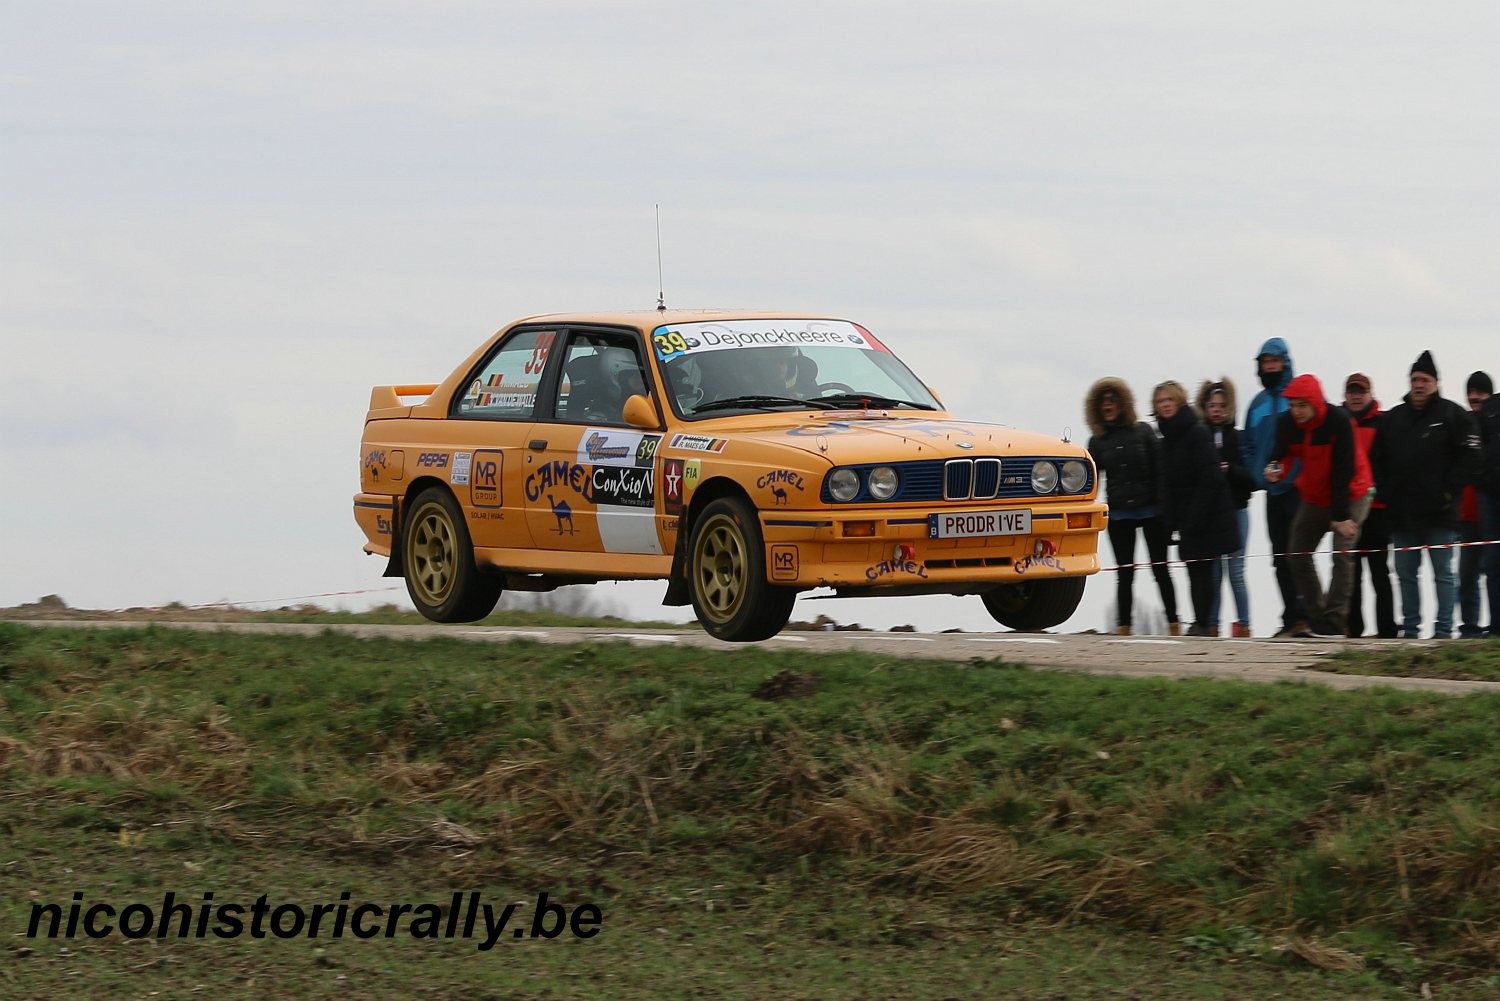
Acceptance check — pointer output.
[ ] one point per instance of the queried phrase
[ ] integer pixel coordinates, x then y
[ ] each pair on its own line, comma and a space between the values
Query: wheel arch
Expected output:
397, 565
707, 492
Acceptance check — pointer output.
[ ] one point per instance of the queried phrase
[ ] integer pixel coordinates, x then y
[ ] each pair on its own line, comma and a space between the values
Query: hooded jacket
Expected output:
1422, 459
1260, 420
1195, 496
1334, 469
1126, 451
1228, 441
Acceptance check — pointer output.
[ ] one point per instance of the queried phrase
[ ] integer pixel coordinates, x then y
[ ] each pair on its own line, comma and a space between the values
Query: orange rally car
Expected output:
742, 457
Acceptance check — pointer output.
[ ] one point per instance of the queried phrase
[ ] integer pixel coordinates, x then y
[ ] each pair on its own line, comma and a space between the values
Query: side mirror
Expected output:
639, 413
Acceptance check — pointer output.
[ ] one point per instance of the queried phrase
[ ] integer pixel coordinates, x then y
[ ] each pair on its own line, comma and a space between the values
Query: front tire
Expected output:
441, 576
1033, 605
727, 576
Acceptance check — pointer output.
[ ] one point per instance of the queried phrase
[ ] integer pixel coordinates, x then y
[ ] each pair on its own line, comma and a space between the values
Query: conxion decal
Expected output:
625, 486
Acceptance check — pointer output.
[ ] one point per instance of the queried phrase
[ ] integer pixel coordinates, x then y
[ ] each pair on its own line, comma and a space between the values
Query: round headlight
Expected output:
1043, 477
1074, 475
843, 485
883, 482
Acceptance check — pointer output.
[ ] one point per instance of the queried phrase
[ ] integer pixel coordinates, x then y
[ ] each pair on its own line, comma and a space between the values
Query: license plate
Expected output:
977, 524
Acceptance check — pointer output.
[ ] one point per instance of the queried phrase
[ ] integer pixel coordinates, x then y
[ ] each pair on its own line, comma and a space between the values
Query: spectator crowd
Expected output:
1416, 486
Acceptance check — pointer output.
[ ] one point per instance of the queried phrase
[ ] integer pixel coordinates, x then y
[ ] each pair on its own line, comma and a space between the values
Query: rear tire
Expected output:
1033, 605
441, 576
726, 569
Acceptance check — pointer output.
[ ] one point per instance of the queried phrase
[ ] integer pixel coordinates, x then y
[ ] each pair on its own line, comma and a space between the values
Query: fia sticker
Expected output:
692, 472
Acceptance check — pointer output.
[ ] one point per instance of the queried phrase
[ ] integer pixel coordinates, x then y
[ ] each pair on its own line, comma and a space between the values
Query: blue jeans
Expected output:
1409, 571
1236, 564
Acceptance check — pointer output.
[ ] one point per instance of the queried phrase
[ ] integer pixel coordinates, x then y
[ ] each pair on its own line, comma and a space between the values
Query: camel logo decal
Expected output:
780, 494
563, 513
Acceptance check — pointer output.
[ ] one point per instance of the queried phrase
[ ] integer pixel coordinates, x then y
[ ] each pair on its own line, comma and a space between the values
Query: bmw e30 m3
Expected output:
742, 457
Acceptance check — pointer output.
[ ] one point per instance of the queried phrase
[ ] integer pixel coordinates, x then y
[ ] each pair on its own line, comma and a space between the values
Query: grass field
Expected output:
749, 825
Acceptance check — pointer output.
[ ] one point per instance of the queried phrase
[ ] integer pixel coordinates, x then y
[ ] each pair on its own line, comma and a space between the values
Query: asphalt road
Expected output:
1259, 660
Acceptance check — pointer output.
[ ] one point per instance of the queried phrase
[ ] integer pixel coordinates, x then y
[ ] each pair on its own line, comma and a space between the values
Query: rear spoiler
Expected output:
386, 401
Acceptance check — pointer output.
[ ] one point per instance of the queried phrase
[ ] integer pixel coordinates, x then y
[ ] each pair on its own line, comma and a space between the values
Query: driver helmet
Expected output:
687, 379
620, 371
783, 365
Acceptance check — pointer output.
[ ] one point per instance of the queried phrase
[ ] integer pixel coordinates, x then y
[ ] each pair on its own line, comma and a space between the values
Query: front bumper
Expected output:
885, 549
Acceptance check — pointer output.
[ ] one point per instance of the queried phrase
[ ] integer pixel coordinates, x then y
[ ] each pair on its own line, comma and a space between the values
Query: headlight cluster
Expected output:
1072, 476
882, 482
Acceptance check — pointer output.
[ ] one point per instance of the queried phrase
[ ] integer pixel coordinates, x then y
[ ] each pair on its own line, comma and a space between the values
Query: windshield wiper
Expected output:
731, 402
858, 400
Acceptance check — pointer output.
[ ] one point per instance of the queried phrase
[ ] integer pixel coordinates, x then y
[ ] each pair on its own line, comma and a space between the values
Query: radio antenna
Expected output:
661, 289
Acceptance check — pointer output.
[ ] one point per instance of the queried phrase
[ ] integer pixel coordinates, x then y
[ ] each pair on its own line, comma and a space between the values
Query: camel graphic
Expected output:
563, 513
779, 493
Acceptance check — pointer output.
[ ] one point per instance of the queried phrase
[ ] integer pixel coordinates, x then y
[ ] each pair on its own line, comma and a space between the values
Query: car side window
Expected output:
505, 387
601, 371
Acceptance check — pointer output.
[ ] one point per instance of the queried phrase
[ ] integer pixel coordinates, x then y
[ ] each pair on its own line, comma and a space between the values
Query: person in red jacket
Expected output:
1375, 534
1336, 489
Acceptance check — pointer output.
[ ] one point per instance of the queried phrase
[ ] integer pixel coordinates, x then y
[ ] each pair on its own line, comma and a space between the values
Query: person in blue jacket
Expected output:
1273, 366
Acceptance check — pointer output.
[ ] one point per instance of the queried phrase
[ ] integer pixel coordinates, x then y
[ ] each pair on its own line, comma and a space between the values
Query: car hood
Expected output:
849, 439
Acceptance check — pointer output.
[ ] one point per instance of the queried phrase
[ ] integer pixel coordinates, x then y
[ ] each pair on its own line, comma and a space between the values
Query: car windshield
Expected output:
721, 368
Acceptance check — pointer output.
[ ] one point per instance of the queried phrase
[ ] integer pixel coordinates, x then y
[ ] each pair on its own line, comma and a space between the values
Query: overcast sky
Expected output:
223, 223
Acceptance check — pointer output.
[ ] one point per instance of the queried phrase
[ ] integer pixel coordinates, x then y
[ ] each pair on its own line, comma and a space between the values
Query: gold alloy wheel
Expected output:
720, 568
432, 554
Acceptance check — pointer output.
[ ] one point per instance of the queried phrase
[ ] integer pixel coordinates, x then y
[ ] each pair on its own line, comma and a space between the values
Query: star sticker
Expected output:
673, 478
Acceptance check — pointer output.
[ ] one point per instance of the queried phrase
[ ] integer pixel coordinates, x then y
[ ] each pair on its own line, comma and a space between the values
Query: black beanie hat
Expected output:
1482, 382
1424, 363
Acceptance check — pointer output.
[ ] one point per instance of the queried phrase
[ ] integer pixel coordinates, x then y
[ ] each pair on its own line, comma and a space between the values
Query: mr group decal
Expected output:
486, 473
785, 562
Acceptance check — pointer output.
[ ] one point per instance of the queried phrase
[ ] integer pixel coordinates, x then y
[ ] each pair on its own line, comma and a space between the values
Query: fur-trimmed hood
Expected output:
1207, 388
1128, 416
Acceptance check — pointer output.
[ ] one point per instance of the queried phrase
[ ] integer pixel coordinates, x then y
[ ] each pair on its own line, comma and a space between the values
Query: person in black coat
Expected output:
1128, 456
1489, 503
1424, 452
1195, 496
1216, 402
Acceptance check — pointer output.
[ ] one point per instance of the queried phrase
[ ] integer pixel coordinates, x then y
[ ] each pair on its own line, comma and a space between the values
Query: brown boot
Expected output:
1174, 628
1122, 630
1241, 631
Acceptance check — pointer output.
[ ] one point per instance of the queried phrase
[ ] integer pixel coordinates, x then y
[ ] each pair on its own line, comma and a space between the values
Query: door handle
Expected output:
536, 444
